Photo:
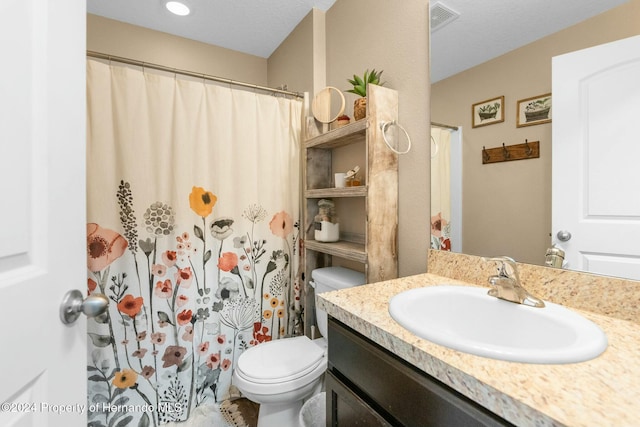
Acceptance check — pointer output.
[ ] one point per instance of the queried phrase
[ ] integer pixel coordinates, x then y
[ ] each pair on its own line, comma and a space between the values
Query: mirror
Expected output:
506, 207
328, 104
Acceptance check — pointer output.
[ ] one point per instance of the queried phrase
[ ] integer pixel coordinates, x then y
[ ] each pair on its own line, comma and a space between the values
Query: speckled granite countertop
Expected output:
601, 392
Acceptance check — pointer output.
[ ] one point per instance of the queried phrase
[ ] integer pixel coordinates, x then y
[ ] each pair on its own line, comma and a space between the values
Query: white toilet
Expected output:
280, 375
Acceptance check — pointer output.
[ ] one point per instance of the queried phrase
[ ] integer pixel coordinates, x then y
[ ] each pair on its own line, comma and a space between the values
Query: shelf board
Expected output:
318, 193
341, 248
344, 135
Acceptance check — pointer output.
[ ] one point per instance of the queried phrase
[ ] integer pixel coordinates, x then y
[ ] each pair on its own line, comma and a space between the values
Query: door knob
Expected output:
73, 304
563, 236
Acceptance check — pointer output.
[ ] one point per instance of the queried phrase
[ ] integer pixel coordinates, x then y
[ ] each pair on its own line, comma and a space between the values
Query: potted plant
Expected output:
360, 88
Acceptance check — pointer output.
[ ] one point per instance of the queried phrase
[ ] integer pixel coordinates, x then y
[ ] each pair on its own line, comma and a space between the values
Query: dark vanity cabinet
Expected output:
369, 386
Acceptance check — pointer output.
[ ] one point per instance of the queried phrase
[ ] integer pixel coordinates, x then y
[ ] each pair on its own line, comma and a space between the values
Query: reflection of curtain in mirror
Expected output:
440, 189
193, 228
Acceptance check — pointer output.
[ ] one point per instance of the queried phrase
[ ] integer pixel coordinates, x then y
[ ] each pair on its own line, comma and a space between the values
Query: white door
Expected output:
42, 211
596, 158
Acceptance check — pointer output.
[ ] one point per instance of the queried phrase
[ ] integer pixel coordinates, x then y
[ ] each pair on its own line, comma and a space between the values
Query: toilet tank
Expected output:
332, 279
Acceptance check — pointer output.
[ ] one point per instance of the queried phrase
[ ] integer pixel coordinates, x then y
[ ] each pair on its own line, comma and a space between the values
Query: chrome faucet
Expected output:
506, 284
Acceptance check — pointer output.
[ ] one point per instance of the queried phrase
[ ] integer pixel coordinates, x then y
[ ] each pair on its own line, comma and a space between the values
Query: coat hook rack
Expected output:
506, 153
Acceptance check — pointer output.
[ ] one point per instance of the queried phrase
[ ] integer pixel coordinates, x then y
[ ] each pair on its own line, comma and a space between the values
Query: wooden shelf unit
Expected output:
376, 249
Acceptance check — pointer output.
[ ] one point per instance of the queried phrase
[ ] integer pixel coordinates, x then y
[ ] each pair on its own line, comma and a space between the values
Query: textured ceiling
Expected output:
487, 29
484, 30
256, 27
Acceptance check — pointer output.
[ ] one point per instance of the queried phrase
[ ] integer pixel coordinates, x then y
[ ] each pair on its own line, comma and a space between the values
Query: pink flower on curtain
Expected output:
182, 300
437, 223
103, 247
169, 258
173, 355
281, 224
213, 361
183, 277
158, 338
164, 289
159, 270
188, 333
203, 348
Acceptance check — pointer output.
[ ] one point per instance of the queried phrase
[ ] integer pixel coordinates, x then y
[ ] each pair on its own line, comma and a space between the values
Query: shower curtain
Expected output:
440, 189
192, 233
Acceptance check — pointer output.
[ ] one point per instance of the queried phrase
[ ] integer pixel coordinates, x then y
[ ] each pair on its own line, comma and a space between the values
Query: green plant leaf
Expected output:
144, 421
164, 317
198, 232
124, 422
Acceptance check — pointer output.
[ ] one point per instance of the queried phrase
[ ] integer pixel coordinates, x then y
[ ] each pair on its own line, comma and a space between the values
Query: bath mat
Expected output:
240, 412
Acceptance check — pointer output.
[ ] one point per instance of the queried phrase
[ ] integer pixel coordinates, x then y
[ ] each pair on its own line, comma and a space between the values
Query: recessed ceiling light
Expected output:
178, 8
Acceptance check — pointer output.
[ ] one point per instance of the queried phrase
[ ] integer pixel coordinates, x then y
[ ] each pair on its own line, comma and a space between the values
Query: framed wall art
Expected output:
534, 111
488, 112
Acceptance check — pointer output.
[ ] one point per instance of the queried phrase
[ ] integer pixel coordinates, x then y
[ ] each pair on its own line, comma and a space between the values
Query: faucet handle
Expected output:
506, 266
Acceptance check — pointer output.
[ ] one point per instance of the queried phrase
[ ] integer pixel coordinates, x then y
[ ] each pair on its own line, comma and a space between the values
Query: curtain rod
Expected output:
189, 73
440, 125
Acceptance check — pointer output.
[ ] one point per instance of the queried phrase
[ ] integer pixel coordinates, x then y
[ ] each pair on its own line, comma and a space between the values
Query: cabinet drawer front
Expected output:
347, 408
402, 393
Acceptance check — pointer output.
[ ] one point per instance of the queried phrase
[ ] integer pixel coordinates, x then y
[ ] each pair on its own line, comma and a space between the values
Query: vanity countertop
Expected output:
601, 392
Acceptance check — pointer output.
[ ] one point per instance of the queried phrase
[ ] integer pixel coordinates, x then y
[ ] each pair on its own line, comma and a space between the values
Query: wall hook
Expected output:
505, 152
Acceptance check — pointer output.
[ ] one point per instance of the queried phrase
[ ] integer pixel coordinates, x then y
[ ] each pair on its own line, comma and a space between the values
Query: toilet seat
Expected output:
280, 361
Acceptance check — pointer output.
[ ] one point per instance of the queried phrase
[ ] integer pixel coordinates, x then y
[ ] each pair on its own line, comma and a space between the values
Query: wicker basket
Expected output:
360, 108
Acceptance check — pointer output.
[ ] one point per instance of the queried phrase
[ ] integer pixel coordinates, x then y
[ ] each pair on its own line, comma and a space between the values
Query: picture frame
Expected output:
487, 112
534, 111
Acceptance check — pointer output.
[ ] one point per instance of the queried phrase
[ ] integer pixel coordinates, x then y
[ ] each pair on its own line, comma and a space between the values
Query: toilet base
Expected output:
279, 415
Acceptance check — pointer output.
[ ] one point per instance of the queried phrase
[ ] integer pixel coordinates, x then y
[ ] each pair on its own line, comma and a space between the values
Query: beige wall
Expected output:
507, 206
292, 62
130, 41
393, 38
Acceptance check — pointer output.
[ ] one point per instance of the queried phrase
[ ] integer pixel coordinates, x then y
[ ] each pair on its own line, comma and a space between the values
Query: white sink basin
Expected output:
467, 319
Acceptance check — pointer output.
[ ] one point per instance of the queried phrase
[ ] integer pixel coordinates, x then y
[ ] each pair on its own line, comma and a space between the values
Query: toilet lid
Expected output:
280, 360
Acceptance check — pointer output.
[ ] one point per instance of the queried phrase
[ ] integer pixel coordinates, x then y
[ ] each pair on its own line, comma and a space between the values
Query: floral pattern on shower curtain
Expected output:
440, 238
192, 234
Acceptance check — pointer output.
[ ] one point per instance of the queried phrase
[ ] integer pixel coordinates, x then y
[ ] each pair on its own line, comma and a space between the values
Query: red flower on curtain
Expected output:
228, 261
184, 317
103, 247
260, 333
130, 305
91, 285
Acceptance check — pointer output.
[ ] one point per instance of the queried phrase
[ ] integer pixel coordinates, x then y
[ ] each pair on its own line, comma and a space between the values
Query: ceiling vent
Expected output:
441, 15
